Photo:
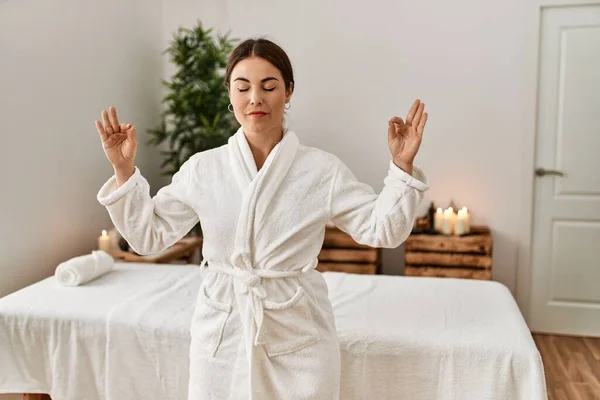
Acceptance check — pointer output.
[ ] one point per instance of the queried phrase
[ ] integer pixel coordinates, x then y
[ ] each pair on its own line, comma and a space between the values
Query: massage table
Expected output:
125, 335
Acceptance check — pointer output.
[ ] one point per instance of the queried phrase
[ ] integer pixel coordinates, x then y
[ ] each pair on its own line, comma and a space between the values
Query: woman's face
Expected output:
258, 95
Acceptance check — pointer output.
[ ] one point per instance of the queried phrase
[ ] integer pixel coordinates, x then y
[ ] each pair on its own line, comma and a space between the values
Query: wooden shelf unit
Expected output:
343, 254
468, 256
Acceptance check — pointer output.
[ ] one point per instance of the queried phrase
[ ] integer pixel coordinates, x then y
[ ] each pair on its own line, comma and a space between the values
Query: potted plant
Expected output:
195, 118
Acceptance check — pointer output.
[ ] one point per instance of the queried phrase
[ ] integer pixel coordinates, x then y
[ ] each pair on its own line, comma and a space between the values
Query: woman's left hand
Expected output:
404, 138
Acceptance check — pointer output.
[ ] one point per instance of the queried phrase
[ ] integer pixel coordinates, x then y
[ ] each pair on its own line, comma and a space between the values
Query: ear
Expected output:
289, 92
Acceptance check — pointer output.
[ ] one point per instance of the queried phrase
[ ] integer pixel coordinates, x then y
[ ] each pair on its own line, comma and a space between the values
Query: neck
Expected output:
262, 142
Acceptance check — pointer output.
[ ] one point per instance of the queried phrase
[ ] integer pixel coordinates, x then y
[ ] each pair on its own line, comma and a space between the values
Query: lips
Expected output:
257, 114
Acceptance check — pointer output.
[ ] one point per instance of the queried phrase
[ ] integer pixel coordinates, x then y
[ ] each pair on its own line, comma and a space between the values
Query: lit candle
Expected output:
460, 226
438, 220
467, 219
448, 223
104, 242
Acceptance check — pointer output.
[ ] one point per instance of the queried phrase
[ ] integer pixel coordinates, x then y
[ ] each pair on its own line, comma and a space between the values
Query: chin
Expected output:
255, 125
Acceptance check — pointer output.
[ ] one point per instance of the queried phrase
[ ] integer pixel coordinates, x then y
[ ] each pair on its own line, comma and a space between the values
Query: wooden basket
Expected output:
468, 256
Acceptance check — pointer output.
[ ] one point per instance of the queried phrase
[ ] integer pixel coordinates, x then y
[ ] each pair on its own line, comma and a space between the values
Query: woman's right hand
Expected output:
118, 140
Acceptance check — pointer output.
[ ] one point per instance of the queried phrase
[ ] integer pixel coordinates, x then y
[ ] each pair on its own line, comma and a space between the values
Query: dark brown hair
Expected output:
266, 49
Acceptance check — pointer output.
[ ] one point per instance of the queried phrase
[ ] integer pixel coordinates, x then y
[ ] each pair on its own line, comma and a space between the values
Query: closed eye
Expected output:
268, 90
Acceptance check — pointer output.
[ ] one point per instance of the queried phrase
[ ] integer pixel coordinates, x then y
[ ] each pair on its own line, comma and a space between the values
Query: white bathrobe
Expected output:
263, 326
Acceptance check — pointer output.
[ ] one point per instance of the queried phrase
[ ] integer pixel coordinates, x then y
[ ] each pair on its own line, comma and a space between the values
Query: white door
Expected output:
565, 281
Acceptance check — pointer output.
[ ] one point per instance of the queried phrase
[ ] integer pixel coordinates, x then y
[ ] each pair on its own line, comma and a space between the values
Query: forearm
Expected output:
379, 220
149, 225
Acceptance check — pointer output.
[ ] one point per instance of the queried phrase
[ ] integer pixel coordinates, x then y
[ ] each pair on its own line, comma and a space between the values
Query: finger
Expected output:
397, 121
418, 115
422, 123
131, 135
395, 124
123, 127
114, 120
391, 130
107, 126
412, 111
101, 131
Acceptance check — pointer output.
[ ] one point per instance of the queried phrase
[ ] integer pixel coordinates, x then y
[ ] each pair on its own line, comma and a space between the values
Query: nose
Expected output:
255, 97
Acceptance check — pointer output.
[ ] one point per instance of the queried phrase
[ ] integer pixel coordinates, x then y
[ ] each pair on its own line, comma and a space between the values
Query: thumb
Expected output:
397, 120
391, 131
394, 122
131, 134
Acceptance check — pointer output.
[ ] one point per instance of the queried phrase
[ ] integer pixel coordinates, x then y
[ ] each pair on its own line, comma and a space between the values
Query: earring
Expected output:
230, 107
289, 105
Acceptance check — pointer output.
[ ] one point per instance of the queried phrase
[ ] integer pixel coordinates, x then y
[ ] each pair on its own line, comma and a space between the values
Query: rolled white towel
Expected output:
82, 269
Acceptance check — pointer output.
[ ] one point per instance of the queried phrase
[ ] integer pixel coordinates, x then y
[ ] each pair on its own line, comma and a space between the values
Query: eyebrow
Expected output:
270, 78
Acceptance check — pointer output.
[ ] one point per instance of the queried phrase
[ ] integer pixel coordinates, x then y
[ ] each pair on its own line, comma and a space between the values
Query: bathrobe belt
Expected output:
250, 283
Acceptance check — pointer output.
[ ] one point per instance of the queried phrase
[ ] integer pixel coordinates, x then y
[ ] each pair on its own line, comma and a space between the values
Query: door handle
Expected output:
544, 172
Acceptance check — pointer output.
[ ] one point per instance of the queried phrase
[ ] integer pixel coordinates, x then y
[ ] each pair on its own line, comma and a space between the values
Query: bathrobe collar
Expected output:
257, 188
242, 161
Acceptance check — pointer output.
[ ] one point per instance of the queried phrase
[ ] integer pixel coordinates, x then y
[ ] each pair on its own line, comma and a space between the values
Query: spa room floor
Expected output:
572, 366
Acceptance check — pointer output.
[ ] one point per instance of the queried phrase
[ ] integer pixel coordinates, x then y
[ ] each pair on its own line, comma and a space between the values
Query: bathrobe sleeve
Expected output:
379, 220
150, 225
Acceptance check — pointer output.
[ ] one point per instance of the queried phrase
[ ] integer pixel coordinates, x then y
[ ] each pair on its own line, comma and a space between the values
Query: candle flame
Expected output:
103, 232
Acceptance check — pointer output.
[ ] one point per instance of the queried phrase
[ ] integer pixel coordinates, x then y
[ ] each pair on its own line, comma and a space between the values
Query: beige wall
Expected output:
471, 62
62, 62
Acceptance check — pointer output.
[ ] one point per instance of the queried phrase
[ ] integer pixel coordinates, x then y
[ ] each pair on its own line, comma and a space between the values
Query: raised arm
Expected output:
385, 219
150, 225
378, 220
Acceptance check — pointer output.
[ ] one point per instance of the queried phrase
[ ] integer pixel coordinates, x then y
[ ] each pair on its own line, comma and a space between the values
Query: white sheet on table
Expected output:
401, 337
432, 338
54, 339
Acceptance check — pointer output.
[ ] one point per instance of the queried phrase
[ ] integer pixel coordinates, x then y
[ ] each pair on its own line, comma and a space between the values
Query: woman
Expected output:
263, 326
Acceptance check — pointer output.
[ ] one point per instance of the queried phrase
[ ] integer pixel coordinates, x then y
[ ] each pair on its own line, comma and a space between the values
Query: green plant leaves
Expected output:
195, 117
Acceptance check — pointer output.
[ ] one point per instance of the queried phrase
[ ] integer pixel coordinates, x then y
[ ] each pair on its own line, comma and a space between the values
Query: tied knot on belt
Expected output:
253, 283
250, 283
